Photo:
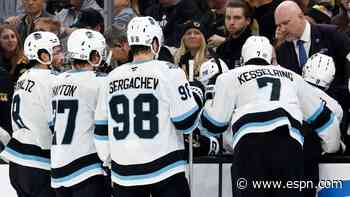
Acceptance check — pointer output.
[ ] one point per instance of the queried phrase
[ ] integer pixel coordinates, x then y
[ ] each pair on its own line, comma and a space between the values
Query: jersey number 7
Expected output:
276, 86
59, 107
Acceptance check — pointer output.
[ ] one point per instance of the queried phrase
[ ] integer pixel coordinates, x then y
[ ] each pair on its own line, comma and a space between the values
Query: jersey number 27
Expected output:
59, 107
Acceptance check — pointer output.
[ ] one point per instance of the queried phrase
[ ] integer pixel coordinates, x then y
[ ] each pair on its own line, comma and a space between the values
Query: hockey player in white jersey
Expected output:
208, 73
319, 71
143, 111
29, 148
76, 167
265, 106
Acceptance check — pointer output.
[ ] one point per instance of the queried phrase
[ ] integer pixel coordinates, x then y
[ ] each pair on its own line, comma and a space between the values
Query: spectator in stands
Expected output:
6, 91
123, 13
7, 9
90, 19
193, 47
69, 15
118, 45
143, 5
264, 14
321, 12
237, 21
216, 22
48, 24
33, 10
140, 6
342, 20
11, 52
171, 15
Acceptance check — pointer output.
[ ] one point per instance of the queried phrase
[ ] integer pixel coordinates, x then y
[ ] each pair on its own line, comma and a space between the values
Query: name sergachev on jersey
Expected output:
64, 90
249, 75
133, 83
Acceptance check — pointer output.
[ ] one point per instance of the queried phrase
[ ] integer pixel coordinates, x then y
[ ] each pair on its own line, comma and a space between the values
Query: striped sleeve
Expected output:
184, 110
217, 112
322, 120
101, 124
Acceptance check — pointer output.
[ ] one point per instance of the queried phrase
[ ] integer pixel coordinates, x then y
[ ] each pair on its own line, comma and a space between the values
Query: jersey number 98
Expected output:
145, 111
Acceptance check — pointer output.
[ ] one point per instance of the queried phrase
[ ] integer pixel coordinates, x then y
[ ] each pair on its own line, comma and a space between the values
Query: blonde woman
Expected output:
193, 47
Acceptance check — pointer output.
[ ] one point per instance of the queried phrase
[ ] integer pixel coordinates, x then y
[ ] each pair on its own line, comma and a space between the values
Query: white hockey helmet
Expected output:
83, 42
257, 47
319, 70
40, 41
143, 30
210, 69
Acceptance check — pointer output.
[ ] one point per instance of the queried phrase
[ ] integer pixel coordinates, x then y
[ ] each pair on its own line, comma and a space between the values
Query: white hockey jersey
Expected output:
31, 138
331, 103
261, 98
73, 153
139, 110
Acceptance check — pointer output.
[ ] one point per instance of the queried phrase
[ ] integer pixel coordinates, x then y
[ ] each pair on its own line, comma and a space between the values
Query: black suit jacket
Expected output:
324, 39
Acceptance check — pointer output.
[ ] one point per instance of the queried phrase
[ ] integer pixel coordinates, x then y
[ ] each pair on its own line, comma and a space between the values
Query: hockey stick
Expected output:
220, 164
190, 137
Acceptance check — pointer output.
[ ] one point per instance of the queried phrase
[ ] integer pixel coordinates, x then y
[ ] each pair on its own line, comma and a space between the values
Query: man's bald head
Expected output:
290, 20
288, 7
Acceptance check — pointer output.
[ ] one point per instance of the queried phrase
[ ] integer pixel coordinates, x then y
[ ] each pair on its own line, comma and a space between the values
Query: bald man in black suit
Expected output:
299, 40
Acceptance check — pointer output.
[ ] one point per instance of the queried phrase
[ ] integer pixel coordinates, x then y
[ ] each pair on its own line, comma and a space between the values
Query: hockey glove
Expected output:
198, 92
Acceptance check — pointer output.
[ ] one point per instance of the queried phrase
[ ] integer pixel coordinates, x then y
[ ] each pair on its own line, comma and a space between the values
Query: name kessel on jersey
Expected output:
64, 90
133, 83
26, 85
249, 75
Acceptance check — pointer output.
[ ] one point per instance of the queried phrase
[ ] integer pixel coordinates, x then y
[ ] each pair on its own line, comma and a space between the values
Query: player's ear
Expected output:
156, 45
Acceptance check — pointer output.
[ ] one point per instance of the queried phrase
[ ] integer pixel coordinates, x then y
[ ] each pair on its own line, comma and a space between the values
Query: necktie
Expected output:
302, 53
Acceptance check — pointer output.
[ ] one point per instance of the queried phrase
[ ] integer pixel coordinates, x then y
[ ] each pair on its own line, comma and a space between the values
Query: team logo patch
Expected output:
37, 36
134, 68
196, 24
172, 66
89, 34
151, 21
